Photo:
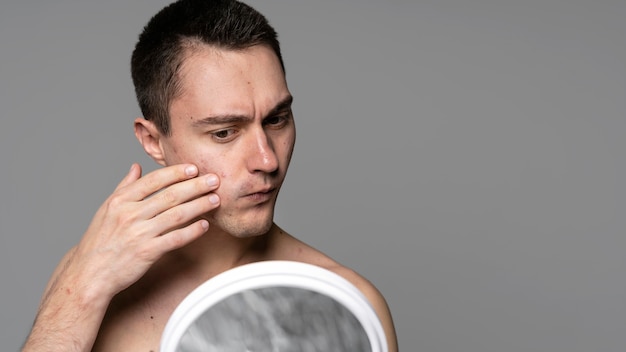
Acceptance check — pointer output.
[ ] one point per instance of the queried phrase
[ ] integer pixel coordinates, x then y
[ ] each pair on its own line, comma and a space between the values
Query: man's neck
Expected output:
217, 251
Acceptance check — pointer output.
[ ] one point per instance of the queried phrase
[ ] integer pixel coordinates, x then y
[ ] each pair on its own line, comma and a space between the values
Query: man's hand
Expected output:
143, 219
136, 225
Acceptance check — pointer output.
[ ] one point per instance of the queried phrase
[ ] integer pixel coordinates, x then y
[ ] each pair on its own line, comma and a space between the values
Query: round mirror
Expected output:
274, 306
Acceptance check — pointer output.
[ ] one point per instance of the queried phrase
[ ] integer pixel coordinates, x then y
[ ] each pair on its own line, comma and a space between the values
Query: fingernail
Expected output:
204, 224
213, 198
212, 180
191, 170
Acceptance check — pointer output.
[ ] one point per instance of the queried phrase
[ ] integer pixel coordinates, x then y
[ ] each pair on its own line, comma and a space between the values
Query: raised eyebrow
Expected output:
221, 120
227, 119
284, 104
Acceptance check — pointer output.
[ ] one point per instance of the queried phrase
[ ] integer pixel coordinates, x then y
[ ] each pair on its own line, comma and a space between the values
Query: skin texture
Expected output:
150, 243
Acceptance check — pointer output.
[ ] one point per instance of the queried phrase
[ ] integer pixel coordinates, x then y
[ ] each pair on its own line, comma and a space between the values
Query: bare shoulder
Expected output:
376, 299
294, 249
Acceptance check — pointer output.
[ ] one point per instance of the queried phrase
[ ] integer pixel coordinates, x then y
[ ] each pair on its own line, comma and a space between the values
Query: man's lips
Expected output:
261, 194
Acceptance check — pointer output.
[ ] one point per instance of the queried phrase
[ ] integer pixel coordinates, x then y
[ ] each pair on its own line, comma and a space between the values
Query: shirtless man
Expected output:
210, 81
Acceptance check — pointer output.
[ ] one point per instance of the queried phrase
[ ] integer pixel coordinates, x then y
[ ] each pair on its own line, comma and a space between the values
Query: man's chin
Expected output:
242, 223
241, 229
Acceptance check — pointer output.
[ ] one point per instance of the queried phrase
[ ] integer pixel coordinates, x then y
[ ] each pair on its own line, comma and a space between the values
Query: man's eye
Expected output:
277, 121
223, 135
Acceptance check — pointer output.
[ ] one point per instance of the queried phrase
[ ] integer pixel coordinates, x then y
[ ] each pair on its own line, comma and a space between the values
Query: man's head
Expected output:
177, 30
221, 104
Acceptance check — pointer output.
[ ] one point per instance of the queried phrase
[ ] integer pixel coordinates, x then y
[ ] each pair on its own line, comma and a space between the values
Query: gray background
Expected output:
464, 155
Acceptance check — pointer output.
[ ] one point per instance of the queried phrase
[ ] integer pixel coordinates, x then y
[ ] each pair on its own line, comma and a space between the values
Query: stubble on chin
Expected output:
240, 227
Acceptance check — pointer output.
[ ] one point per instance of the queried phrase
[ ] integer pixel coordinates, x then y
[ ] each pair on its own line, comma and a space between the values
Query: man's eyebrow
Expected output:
221, 120
283, 105
229, 118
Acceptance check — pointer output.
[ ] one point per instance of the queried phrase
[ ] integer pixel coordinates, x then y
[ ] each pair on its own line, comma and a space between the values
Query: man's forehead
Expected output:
222, 82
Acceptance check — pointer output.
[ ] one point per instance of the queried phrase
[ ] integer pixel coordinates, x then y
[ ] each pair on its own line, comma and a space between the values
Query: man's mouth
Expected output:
261, 195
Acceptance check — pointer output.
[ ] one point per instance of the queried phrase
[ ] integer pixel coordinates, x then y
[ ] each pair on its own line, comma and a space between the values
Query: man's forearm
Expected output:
68, 320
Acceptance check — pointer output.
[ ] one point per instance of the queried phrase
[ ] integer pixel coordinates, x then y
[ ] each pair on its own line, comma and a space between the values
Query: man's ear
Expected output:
150, 138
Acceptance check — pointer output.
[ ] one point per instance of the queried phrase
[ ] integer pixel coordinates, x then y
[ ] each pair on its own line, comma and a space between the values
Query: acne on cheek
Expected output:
221, 174
207, 164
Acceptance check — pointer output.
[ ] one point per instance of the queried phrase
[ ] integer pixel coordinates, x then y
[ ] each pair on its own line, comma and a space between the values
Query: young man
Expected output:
211, 84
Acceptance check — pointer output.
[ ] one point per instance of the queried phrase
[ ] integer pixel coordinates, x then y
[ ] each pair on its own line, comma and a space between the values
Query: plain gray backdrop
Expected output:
467, 156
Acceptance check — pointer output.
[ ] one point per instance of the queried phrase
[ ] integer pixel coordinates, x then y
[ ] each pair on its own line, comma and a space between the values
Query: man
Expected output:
210, 81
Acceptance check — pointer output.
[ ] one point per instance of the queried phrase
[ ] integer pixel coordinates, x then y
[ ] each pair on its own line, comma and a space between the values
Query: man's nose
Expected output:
262, 155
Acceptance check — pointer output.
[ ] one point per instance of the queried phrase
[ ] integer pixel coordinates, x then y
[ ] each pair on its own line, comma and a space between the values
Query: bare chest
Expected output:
135, 322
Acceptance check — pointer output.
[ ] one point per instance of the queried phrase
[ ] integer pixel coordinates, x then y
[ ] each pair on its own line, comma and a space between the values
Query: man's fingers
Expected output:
179, 193
183, 213
157, 180
181, 237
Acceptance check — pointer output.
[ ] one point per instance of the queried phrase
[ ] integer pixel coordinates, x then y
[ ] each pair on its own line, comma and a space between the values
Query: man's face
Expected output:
234, 119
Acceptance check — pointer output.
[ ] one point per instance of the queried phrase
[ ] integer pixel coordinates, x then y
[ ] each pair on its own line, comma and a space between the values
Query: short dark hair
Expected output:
164, 41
